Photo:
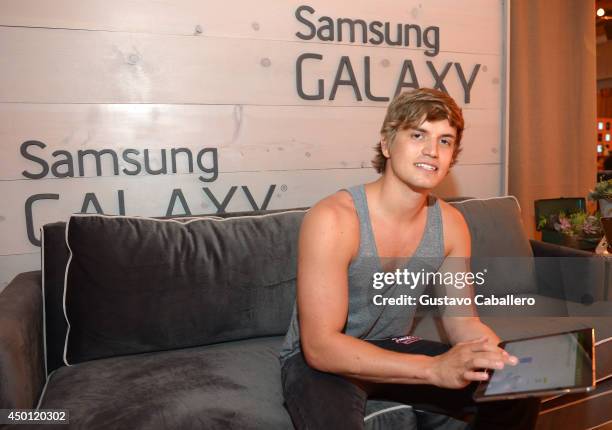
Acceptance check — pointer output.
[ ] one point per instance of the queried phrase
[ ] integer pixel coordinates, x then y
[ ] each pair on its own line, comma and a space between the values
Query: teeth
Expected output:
426, 166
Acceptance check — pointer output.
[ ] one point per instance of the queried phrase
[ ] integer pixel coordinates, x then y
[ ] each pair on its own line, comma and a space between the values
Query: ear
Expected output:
384, 146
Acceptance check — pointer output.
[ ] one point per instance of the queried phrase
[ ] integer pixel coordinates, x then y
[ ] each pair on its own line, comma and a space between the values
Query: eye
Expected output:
416, 135
447, 142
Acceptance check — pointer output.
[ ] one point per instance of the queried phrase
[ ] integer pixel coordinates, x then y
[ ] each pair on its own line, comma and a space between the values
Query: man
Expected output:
338, 350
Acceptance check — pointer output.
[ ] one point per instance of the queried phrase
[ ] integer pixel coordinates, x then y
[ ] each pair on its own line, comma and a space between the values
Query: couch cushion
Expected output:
496, 227
229, 385
234, 385
54, 260
141, 284
386, 415
499, 245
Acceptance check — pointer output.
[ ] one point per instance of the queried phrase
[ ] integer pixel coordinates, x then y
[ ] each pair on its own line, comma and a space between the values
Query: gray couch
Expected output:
176, 324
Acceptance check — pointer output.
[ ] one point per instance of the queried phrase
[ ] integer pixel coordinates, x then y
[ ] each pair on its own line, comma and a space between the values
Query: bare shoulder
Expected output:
456, 232
452, 218
333, 219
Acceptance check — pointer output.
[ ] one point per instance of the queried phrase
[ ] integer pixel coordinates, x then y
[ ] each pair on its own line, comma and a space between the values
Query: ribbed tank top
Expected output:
367, 320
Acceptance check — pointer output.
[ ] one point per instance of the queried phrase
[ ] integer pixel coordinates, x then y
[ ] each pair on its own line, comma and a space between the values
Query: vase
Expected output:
605, 208
585, 243
571, 241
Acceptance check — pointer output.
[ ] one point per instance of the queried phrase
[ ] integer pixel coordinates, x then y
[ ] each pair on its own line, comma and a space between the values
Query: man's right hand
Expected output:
465, 362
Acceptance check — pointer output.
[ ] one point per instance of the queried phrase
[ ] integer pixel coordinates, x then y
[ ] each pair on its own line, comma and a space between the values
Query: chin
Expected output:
421, 186
424, 184
419, 181
422, 189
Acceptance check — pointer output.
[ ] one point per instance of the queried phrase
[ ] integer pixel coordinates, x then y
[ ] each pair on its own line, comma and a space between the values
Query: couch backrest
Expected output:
249, 292
500, 246
130, 289
54, 259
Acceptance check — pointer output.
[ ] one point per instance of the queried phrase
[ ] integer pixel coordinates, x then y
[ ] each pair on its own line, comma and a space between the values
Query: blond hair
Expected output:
410, 109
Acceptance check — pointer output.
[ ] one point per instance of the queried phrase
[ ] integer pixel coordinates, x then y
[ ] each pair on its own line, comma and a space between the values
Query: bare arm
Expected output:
326, 245
461, 323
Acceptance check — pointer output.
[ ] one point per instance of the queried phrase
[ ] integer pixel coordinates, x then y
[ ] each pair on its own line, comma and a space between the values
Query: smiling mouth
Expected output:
425, 166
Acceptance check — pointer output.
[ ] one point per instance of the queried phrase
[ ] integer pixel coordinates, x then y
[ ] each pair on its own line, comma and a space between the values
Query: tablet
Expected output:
548, 365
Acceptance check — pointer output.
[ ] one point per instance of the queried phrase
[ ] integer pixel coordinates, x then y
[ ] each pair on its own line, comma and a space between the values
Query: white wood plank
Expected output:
62, 66
247, 138
143, 79
467, 25
481, 181
151, 196
478, 181
12, 265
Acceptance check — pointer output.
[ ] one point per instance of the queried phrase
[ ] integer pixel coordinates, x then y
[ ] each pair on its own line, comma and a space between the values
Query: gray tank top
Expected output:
366, 319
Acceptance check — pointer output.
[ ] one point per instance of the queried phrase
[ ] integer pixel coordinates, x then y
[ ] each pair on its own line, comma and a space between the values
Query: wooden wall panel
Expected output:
62, 66
247, 137
92, 74
262, 19
24, 256
151, 195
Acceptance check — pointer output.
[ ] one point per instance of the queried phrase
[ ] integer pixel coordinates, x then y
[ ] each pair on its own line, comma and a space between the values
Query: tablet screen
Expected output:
546, 363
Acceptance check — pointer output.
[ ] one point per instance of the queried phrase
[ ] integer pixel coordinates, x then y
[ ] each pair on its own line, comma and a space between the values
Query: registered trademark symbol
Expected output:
283, 187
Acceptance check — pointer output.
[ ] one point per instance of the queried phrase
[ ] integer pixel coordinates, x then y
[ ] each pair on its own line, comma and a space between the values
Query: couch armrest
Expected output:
570, 274
22, 368
544, 249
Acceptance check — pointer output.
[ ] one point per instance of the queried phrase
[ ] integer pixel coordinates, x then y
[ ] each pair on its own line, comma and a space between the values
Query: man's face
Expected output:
421, 157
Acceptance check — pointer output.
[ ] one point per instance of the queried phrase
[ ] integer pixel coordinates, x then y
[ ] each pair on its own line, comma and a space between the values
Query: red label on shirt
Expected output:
405, 339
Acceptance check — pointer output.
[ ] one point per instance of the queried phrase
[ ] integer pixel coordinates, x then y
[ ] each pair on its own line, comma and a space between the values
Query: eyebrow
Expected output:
426, 132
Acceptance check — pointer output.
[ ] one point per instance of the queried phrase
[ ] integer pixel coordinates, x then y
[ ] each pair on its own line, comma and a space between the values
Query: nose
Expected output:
430, 148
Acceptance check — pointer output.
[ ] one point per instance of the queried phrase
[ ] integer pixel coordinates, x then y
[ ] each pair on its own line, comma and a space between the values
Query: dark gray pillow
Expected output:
140, 284
499, 245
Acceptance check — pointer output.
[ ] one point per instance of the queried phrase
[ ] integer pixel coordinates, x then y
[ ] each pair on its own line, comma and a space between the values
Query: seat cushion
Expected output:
229, 385
234, 385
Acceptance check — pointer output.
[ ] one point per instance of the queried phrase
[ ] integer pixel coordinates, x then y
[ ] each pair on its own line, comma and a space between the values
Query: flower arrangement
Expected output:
576, 224
602, 191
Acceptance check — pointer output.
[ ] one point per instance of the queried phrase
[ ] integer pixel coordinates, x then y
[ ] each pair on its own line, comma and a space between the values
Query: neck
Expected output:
394, 199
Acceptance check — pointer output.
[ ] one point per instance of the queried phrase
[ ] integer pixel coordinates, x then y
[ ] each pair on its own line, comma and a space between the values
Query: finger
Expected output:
484, 363
491, 355
490, 347
471, 375
485, 346
480, 340
496, 356
507, 358
511, 360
